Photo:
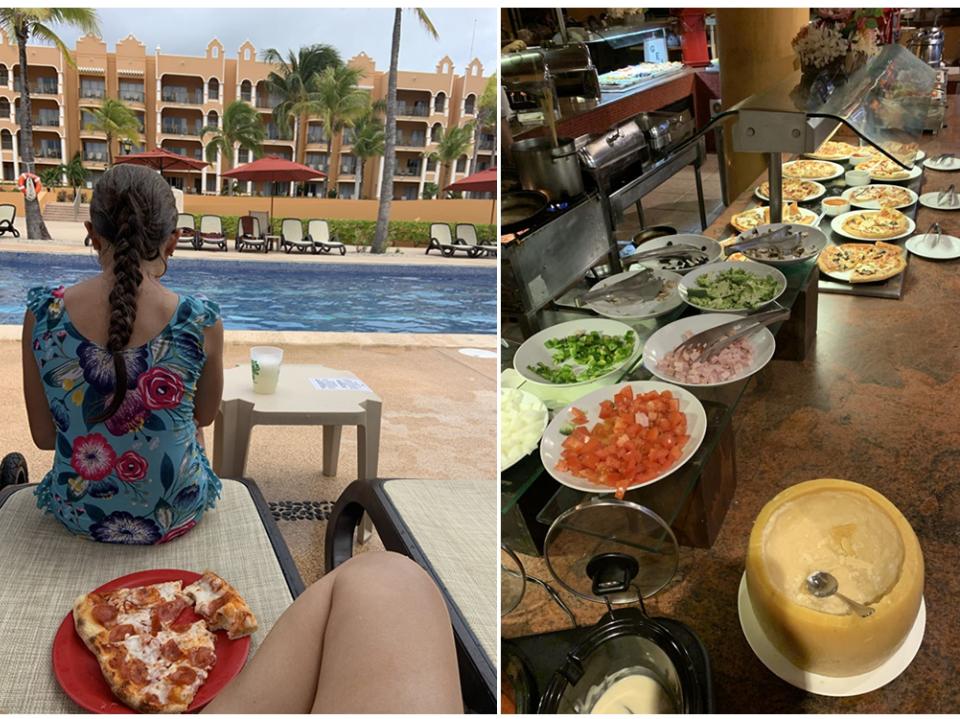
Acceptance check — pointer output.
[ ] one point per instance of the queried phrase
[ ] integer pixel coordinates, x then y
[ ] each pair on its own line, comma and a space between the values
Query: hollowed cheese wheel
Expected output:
865, 542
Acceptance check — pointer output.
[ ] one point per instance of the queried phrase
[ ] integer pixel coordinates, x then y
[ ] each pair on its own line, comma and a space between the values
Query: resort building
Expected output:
175, 96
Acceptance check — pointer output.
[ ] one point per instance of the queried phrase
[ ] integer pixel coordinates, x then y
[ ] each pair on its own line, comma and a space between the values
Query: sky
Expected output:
180, 31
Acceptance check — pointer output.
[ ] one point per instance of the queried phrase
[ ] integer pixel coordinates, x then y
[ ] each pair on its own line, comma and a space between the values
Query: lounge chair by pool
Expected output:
468, 234
250, 236
440, 239
188, 231
8, 214
291, 237
211, 232
318, 231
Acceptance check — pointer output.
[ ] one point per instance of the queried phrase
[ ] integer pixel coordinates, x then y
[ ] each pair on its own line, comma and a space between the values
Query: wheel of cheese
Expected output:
862, 539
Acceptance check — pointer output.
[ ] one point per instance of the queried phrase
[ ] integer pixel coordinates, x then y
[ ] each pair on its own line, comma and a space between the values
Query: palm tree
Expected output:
452, 146
76, 175
368, 136
21, 24
115, 120
240, 127
339, 101
390, 139
486, 114
292, 82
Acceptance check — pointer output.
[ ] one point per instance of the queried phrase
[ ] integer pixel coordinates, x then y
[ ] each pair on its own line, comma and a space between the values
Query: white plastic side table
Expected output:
296, 402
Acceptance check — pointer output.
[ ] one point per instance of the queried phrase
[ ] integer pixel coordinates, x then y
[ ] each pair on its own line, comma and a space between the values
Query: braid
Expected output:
136, 215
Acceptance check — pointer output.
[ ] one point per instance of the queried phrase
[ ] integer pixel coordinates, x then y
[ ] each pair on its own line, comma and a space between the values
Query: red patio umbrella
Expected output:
271, 168
483, 181
161, 160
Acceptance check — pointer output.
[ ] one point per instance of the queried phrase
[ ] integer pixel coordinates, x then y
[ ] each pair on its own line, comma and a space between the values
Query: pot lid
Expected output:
513, 581
609, 549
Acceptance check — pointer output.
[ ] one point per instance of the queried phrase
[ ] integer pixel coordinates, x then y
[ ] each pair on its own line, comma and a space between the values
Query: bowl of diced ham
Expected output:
738, 361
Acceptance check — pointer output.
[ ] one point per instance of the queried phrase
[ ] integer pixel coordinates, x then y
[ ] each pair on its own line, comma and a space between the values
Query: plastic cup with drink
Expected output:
265, 367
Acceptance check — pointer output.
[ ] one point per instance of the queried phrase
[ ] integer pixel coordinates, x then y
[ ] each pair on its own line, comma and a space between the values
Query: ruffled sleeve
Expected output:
205, 312
46, 303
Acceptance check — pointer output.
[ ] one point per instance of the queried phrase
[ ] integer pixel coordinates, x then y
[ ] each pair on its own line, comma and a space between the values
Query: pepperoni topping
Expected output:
181, 627
170, 651
116, 661
120, 632
203, 657
135, 671
104, 613
183, 676
155, 624
216, 604
168, 611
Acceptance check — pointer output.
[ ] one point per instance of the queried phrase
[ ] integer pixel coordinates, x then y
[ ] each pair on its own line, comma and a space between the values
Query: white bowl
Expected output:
640, 310
835, 209
536, 405
755, 268
534, 349
710, 246
855, 178
669, 337
551, 447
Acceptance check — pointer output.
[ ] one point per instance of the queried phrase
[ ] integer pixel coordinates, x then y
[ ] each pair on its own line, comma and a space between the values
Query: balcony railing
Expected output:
42, 120
348, 169
411, 140
273, 133
92, 93
95, 156
316, 138
415, 110
41, 87
181, 95
133, 96
408, 171
50, 152
180, 128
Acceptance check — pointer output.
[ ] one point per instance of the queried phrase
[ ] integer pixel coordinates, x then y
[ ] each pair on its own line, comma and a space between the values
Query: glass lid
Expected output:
611, 550
513, 581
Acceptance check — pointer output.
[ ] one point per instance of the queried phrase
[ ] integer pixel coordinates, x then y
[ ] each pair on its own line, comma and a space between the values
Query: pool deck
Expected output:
439, 422
69, 236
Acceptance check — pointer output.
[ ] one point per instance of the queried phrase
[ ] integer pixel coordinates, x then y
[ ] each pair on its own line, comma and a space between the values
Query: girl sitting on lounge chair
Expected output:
118, 374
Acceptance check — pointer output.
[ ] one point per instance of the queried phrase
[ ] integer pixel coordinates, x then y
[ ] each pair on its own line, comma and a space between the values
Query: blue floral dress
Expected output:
140, 477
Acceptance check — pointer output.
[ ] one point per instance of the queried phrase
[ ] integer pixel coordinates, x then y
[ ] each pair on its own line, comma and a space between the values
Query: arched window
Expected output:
436, 133
440, 103
213, 89
213, 119
4, 76
469, 105
462, 164
4, 107
246, 91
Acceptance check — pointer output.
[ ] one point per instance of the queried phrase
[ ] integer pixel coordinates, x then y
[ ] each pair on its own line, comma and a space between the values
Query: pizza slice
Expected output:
841, 258
139, 609
880, 262
221, 605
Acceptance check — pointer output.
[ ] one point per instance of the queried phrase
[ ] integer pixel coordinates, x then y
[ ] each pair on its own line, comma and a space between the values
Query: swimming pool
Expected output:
314, 297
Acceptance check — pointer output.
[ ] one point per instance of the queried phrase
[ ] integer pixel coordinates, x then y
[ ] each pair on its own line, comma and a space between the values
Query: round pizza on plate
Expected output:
812, 170
874, 224
796, 190
831, 150
877, 197
756, 216
882, 168
854, 262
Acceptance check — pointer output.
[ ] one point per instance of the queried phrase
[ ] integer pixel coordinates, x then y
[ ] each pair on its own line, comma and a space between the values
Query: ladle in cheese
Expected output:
857, 535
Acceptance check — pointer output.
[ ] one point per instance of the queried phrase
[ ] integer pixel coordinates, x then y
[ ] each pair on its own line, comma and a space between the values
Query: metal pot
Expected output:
554, 170
652, 232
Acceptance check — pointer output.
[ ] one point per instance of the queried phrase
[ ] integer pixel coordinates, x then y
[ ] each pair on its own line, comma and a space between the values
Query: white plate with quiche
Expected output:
873, 225
756, 216
818, 170
877, 197
795, 190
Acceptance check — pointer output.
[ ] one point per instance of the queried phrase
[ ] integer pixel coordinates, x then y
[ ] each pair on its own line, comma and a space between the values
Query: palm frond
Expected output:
426, 23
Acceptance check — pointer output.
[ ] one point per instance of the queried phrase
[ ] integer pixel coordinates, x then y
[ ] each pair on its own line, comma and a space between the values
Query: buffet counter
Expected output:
874, 402
598, 116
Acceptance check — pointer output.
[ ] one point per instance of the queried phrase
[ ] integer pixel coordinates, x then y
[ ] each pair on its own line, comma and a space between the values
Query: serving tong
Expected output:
933, 239
672, 252
641, 285
779, 237
943, 157
712, 341
948, 197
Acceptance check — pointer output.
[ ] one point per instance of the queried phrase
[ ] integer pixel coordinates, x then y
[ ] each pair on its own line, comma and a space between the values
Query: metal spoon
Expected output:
824, 584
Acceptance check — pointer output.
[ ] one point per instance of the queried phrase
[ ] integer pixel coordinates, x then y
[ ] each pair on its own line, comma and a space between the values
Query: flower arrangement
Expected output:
844, 37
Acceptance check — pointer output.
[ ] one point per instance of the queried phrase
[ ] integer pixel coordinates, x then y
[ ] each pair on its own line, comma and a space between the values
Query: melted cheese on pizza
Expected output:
809, 169
798, 190
884, 168
884, 223
834, 149
885, 195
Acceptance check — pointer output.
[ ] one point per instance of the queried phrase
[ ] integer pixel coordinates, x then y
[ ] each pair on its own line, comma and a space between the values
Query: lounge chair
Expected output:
291, 236
440, 240
211, 232
250, 236
318, 232
8, 214
188, 231
468, 234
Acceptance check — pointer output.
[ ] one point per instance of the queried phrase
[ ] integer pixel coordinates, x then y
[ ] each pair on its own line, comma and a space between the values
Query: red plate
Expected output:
79, 674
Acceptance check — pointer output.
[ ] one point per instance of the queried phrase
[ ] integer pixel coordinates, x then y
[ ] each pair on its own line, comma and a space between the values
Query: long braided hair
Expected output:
133, 210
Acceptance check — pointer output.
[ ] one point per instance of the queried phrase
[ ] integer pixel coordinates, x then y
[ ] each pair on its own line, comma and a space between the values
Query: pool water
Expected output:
294, 296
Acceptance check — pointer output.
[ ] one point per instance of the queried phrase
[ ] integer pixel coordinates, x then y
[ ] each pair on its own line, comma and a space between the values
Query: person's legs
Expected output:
372, 636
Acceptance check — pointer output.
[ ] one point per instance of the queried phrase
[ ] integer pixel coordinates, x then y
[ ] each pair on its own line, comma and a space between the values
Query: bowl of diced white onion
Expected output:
523, 418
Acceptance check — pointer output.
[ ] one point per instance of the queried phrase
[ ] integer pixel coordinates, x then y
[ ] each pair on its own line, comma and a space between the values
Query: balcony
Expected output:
92, 92
180, 128
184, 152
273, 133
181, 95
417, 109
94, 156
137, 96
411, 140
486, 143
43, 119
316, 138
45, 86
267, 102
48, 152
408, 171
348, 168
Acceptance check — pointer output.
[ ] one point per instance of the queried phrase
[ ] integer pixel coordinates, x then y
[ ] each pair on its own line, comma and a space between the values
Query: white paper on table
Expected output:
339, 383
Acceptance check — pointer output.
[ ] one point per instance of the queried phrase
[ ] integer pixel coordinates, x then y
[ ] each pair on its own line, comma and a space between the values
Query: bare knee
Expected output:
390, 572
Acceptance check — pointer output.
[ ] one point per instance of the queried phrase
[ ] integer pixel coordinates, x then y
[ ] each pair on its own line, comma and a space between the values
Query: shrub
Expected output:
62, 196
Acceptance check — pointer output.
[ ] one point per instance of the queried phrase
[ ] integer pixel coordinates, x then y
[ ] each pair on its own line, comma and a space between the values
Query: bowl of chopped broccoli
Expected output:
578, 352
732, 287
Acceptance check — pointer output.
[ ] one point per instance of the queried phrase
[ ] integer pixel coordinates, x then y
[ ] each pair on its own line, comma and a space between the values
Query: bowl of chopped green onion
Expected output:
578, 352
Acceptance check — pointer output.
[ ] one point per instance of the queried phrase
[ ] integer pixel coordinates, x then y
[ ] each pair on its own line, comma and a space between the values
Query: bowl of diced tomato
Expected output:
623, 436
